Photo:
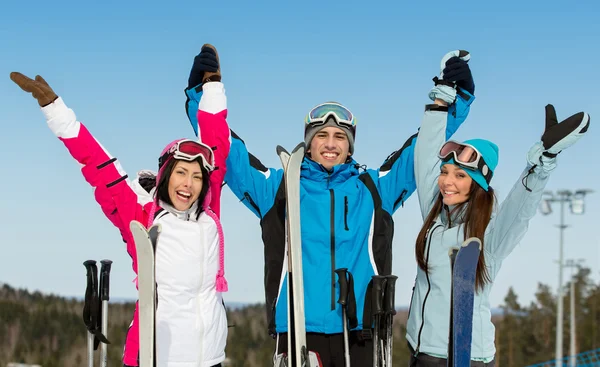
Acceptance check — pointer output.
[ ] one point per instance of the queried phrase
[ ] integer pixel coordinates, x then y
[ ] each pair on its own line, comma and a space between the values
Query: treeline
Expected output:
49, 330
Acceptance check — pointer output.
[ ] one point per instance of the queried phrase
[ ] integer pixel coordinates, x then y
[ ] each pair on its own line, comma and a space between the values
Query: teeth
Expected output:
329, 155
449, 193
186, 194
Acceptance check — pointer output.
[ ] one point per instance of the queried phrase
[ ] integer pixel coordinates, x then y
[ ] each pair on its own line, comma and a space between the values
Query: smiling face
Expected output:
454, 184
185, 184
330, 147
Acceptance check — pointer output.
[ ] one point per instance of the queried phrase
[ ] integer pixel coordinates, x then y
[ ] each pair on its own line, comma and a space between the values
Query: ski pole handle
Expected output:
377, 300
91, 293
105, 280
389, 295
343, 280
91, 276
90, 267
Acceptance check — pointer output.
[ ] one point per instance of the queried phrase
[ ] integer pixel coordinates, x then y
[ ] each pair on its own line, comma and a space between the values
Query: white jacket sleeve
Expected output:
432, 136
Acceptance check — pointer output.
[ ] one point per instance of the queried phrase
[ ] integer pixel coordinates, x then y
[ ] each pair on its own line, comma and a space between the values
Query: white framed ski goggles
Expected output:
466, 156
190, 150
342, 116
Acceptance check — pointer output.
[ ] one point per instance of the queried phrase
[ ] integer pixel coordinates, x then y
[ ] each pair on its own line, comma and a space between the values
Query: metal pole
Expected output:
572, 347
559, 308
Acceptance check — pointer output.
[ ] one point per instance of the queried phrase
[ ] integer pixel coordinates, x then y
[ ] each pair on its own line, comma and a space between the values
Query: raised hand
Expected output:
457, 70
559, 136
39, 88
206, 67
454, 71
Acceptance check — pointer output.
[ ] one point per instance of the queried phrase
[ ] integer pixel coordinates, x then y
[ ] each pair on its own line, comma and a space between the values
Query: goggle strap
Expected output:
481, 166
484, 169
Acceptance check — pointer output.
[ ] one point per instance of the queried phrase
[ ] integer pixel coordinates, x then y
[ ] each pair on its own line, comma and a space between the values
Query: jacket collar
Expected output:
452, 217
340, 173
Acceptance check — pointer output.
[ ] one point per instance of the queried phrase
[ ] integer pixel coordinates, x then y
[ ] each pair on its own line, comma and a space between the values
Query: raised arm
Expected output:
508, 227
434, 126
212, 115
397, 176
102, 171
206, 106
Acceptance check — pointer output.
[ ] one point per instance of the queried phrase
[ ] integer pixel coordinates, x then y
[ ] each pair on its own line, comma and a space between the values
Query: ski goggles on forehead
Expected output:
190, 150
320, 114
466, 156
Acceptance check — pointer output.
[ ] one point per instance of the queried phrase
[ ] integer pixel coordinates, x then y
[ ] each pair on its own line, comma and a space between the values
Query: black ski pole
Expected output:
104, 297
390, 311
89, 311
377, 309
343, 300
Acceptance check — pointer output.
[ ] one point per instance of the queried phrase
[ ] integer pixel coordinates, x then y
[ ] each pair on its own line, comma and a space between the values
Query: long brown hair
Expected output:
477, 214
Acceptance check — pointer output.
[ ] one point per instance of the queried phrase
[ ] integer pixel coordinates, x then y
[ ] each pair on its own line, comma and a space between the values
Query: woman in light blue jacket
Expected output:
456, 199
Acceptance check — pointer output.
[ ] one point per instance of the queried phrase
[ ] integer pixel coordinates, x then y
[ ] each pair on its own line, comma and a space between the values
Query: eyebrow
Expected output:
185, 169
336, 134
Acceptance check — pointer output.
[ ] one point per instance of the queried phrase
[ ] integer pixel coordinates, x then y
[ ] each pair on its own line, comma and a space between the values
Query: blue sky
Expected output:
122, 66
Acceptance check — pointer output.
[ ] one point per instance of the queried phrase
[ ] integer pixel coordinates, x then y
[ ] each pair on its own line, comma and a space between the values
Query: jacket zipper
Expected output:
249, 198
426, 294
332, 223
346, 213
401, 198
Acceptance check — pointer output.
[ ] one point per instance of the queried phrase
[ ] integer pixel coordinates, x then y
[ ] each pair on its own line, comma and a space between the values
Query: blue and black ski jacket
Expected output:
346, 219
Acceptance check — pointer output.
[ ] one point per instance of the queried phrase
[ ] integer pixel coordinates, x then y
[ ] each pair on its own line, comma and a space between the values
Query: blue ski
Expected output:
464, 267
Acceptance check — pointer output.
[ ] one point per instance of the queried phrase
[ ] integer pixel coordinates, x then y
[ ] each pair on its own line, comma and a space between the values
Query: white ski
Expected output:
298, 352
145, 245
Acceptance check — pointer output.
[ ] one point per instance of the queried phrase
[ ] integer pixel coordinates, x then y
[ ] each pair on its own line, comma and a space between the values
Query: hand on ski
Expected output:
206, 67
39, 88
455, 72
559, 136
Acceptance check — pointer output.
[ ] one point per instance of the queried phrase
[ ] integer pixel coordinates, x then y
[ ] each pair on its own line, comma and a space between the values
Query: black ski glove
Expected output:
559, 136
206, 65
459, 72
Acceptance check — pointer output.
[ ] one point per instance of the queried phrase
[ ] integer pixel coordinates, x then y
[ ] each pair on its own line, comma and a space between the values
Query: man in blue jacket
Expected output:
346, 211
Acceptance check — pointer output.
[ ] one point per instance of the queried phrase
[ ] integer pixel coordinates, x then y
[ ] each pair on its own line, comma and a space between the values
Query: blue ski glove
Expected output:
560, 136
205, 67
445, 88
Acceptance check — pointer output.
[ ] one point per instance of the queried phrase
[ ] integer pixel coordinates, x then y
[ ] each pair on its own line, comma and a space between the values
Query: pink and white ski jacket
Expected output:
191, 325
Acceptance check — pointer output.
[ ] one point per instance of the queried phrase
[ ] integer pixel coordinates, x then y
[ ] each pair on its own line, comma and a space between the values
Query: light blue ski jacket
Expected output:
429, 314
346, 219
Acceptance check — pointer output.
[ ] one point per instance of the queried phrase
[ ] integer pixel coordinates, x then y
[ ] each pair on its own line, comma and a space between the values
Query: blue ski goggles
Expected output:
342, 116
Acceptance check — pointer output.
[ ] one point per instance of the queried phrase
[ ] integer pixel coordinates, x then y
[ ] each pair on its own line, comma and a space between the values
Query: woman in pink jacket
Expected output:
191, 325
